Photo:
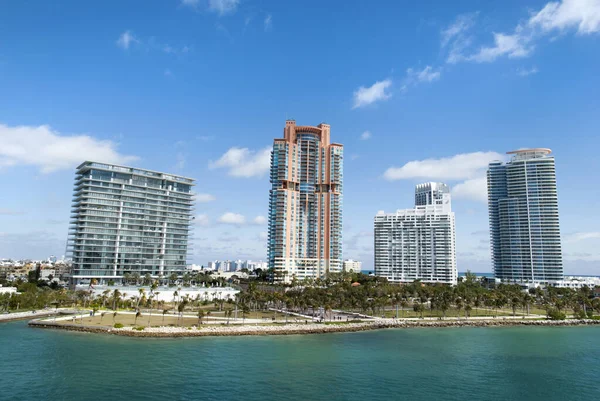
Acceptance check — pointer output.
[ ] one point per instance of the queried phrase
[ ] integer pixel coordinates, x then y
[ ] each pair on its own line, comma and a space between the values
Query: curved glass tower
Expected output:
523, 209
305, 203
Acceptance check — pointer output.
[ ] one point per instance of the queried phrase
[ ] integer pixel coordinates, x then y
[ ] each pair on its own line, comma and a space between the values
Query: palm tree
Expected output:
142, 295
459, 306
515, 302
102, 316
116, 296
180, 309
114, 316
468, 308
105, 295
245, 311
228, 312
200, 316
137, 314
164, 312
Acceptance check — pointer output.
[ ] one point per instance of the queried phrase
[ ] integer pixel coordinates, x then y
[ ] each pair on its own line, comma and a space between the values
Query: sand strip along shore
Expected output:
9, 317
311, 328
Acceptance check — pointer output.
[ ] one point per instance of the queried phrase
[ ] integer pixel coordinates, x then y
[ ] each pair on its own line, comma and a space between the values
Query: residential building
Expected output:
352, 266
128, 221
576, 282
523, 212
418, 244
305, 203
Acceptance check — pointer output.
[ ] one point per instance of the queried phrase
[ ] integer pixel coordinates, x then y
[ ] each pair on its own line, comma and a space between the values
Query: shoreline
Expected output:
11, 317
295, 329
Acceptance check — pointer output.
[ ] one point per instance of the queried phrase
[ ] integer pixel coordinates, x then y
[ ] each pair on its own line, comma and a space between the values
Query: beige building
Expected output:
305, 210
352, 266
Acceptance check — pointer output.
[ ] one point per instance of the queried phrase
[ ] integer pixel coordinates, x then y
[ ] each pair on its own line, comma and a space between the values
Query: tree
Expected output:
419, 308
228, 312
515, 302
164, 312
116, 297
245, 311
180, 309
137, 314
200, 316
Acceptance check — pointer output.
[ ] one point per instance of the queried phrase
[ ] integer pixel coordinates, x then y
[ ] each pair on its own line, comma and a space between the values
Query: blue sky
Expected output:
415, 92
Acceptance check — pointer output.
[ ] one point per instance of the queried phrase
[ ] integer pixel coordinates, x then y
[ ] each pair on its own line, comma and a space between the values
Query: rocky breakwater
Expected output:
310, 328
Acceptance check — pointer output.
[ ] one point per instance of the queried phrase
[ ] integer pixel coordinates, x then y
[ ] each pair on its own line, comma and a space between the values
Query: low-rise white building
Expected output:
8, 290
576, 282
168, 293
352, 266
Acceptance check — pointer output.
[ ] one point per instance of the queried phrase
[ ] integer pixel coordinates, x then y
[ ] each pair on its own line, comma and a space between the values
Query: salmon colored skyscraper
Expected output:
305, 203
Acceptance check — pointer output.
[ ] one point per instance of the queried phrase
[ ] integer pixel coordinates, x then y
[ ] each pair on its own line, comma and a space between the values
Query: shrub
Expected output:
580, 314
555, 314
118, 325
590, 314
139, 328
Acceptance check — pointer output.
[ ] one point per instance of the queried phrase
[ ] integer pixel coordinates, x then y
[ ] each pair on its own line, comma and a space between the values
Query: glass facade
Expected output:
128, 221
524, 224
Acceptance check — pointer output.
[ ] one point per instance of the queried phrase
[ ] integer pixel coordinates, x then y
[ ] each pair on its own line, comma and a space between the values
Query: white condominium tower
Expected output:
418, 244
523, 209
128, 221
305, 203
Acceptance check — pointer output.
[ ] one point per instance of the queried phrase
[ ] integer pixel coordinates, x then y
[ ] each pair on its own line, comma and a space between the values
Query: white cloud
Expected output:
467, 170
473, 189
260, 220
51, 151
581, 15
427, 74
202, 220
223, 7
268, 22
458, 167
456, 38
365, 96
365, 135
567, 14
513, 46
243, 162
263, 236
576, 237
204, 198
526, 72
232, 218
457, 29
126, 39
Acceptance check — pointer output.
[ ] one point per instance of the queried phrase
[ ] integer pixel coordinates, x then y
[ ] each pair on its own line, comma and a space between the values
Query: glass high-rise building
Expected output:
420, 243
305, 203
523, 209
127, 220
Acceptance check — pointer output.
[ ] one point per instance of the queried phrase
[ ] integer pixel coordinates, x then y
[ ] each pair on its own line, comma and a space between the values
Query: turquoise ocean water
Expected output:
516, 363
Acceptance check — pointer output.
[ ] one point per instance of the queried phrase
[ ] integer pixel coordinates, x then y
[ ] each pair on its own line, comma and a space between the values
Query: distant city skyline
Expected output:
421, 92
